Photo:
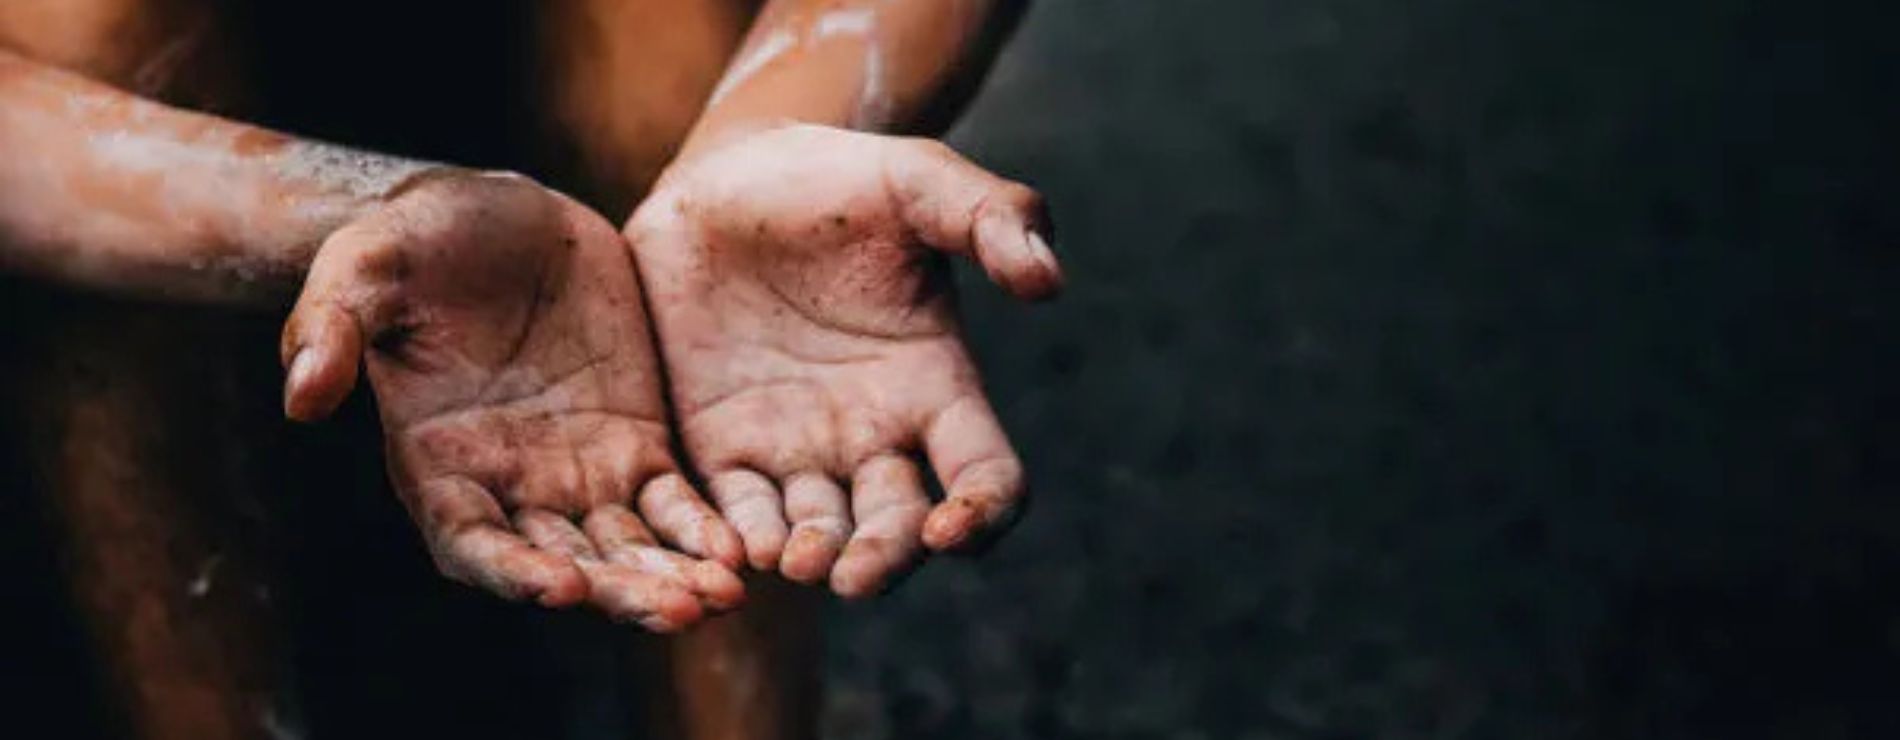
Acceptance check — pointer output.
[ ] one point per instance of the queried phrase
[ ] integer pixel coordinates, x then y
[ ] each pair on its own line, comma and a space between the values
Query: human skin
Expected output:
799, 293
524, 421
112, 192
203, 246
500, 322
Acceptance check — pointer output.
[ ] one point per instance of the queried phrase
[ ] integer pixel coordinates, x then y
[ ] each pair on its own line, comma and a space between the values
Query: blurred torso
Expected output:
590, 95
155, 427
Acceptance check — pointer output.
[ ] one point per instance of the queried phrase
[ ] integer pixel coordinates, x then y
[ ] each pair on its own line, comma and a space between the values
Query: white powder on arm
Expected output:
127, 195
850, 24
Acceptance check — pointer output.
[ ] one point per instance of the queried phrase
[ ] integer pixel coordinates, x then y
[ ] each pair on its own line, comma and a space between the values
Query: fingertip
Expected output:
672, 610
682, 519
519, 573
718, 586
1007, 251
630, 596
548, 579
723, 544
657, 625
821, 516
849, 588
853, 593
950, 525
808, 556
562, 587
321, 370
1051, 280
856, 577
889, 504
764, 547
750, 503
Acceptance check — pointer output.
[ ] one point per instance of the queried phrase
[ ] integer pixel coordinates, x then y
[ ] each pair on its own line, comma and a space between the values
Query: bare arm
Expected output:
895, 66
518, 391
795, 271
106, 190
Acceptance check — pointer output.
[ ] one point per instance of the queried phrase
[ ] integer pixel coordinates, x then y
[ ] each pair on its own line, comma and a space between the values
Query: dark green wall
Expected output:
1438, 368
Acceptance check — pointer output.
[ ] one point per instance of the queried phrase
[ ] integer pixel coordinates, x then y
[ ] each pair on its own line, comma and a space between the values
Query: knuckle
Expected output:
914, 511
886, 468
812, 506
830, 527
1019, 198
872, 548
928, 148
760, 519
889, 508
449, 567
378, 259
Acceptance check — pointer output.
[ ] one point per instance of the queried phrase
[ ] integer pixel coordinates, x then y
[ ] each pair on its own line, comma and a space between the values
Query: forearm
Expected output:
873, 65
105, 190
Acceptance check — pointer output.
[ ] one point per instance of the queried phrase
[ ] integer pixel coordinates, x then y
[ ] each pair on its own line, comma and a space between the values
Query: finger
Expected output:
621, 538
686, 522
320, 349
464, 528
548, 477
889, 504
965, 210
820, 524
981, 476
612, 526
751, 503
342, 305
554, 533
625, 594
628, 595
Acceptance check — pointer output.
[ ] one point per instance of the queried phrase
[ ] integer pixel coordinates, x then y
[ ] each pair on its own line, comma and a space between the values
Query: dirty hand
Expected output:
810, 335
504, 337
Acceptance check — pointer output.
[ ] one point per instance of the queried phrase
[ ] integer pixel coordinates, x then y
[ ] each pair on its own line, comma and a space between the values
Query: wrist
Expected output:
270, 233
712, 134
325, 188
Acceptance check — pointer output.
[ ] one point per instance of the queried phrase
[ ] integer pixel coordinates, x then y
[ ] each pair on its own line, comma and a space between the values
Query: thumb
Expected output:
323, 340
962, 209
320, 349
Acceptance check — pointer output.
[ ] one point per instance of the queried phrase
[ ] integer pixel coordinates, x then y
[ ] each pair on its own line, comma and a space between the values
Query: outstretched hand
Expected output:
809, 330
503, 332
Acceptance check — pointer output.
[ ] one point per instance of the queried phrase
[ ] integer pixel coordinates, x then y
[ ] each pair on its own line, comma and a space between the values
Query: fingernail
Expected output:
1045, 256
953, 524
846, 584
301, 366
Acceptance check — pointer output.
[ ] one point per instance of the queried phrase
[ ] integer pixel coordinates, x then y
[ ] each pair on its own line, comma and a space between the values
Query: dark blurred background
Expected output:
1431, 369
